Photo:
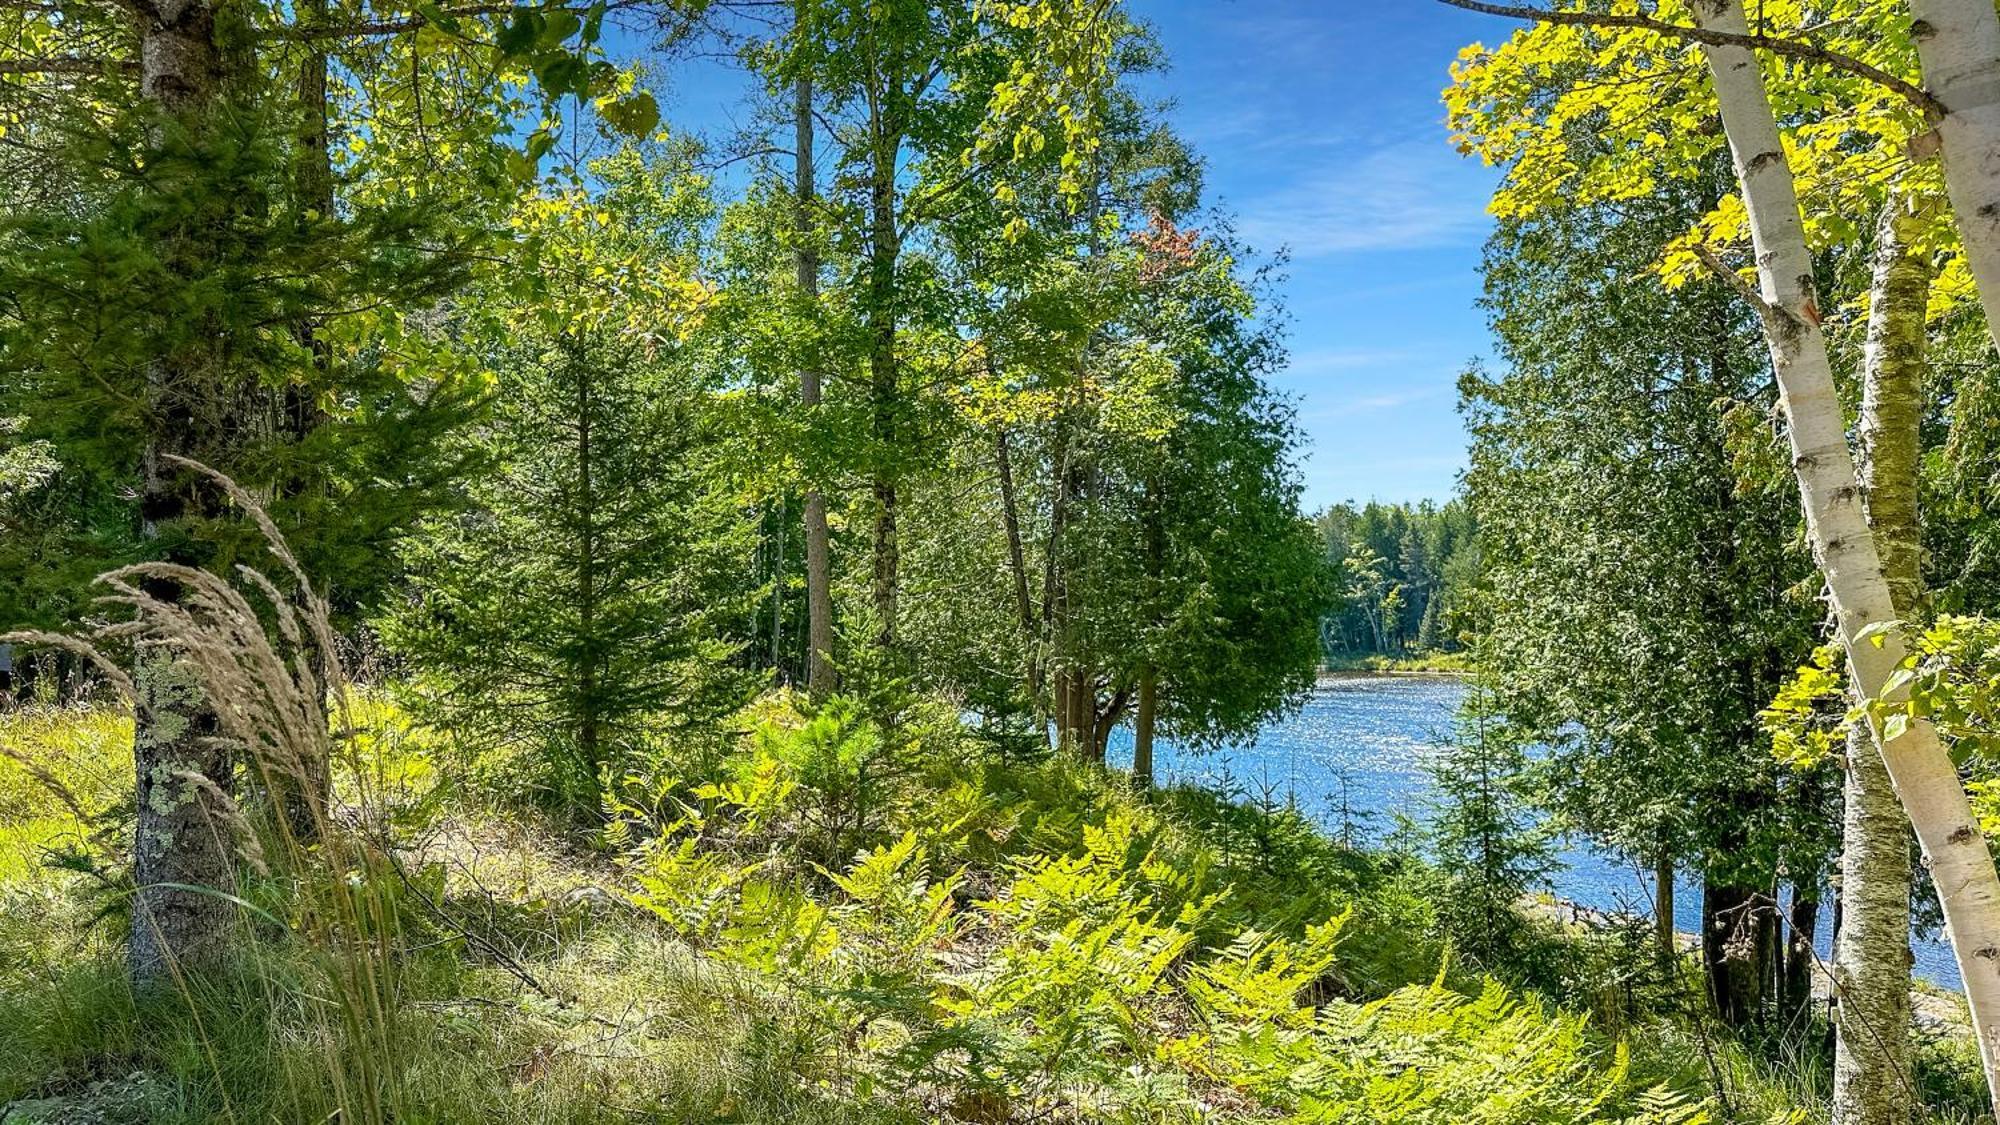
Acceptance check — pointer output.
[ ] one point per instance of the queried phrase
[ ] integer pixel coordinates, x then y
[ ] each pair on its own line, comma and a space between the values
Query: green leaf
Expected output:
635, 116
1877, 632
518, 37
437, 17
561, 74
558, 25
593, 23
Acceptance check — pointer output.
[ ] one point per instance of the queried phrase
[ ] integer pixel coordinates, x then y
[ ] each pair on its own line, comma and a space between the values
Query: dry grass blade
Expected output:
109, 668
49, 781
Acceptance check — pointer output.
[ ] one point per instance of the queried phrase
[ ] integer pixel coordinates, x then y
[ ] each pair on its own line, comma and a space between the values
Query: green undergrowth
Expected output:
839, 917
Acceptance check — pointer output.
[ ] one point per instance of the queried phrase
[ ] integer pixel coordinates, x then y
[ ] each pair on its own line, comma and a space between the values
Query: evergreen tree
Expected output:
594, 591
1489, 840
1642, 606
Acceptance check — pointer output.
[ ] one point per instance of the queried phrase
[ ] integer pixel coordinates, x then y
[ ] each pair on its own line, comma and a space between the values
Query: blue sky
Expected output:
1322, 128
1323, 131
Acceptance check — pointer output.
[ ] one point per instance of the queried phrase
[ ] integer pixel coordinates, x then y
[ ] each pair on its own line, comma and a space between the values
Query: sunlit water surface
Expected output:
1354, 758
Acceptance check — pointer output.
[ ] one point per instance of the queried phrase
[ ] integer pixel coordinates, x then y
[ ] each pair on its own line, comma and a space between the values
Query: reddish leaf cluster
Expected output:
1167, 249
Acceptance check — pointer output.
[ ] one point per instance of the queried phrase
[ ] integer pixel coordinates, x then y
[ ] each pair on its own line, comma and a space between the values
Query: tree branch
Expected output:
313, 32
1771, 313
1932, 109
414, 21
66, 64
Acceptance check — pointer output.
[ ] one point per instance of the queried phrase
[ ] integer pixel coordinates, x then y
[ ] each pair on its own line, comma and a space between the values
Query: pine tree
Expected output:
1489, 843
594, 592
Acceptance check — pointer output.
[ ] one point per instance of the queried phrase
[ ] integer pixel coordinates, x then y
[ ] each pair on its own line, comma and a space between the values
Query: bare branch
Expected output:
1723, 272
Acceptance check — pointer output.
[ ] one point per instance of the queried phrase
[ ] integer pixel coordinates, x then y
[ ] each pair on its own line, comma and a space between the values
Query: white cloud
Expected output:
1347, 406
1407, 196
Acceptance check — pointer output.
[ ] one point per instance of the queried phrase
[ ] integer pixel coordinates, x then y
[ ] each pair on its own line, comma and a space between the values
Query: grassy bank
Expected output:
831, 918
1431, 663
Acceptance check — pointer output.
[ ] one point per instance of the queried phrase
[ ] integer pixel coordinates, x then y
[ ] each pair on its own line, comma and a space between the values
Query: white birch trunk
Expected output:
1925, 780
1873, 1077
1958, 44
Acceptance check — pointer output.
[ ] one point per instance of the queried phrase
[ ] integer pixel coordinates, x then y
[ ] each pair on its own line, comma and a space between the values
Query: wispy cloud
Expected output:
1350, 405
1332, 361
1407, 196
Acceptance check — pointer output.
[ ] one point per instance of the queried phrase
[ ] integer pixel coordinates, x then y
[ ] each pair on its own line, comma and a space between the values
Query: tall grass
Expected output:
316, 931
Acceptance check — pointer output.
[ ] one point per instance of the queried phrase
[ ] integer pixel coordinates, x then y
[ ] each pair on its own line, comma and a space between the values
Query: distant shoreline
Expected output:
1415, 669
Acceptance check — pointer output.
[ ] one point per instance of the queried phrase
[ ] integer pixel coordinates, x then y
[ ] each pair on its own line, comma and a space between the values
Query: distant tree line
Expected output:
1406, 572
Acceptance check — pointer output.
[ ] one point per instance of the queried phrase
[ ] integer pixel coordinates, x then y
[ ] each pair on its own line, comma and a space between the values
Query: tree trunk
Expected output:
778, 590
1142, 728
1872, 1055
819, 542
589, 735
884, 248
1892, 401
1925, 779
1735, 944
1664, 934
1801, 928
1063, 699
1055, 590
1958, 45
1872, 1075
181, 852
1017, 563
1102, 723
1076, 710
181, 855
305, 797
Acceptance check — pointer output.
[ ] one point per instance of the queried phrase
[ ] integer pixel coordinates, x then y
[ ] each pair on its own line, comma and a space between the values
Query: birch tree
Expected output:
1768, 207
1958, 43
1955, 110
202, 259
1918, 765
1873, 1062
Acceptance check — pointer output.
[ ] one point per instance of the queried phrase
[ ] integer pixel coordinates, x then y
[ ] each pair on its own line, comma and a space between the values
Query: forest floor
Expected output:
824, 920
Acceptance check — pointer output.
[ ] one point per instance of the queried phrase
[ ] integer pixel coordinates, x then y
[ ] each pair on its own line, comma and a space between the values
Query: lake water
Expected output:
1354, 758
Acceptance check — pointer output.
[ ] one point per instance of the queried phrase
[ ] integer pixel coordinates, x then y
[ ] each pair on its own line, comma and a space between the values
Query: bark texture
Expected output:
819, 542
1737, 931
1958, 45
1142, 728
1665, 938
1926, 782
1871, 1061
1017, 566
181, 858
181, 850
1892, 402
1872, 1054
